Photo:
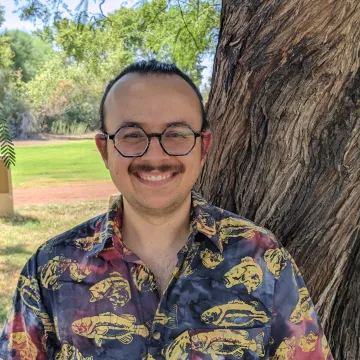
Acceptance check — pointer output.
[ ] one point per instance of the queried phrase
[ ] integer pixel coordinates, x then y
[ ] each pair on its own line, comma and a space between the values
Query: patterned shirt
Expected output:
235, 293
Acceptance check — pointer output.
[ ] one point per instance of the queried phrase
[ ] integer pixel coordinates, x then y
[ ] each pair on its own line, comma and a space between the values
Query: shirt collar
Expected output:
203, 220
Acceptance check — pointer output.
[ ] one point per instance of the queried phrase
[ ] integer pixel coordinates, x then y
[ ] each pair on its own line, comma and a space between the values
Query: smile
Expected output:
155, 178
158, 180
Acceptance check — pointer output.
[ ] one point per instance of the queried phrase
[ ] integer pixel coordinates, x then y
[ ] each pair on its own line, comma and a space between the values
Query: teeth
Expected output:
155, 178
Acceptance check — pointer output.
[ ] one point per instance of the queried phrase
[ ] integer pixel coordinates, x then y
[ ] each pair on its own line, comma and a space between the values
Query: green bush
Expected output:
60, 127
74, 121
16, 114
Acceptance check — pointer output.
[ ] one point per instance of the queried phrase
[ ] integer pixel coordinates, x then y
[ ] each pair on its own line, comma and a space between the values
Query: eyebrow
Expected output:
179, 122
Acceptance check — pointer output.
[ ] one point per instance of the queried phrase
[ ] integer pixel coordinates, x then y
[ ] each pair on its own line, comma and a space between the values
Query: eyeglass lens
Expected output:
176, 140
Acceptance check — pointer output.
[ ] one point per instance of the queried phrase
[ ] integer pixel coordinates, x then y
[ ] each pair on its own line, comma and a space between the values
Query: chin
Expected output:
157, 202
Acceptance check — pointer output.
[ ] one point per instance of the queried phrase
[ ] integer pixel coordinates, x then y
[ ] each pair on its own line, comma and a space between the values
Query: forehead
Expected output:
151, 100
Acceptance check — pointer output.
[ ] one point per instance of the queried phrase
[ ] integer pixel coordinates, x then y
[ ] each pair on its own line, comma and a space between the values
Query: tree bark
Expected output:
284, 108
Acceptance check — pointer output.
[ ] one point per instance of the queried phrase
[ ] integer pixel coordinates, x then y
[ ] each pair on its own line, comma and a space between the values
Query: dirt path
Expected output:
49, 139
67, 193
63, 194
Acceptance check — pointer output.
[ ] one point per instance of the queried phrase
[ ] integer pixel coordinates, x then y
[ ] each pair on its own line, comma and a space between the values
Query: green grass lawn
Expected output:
22, 234
73, 162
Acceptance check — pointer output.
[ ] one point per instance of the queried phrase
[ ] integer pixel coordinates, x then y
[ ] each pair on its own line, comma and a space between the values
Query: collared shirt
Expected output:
235, 293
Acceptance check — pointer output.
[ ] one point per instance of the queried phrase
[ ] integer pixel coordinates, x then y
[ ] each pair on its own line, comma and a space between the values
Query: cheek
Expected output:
117, 163
196, 156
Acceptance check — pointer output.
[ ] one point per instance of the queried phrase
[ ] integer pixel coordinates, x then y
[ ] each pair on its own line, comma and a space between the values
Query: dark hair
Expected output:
152, 67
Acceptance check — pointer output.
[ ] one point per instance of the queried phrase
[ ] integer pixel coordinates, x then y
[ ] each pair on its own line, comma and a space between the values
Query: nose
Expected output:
155, 151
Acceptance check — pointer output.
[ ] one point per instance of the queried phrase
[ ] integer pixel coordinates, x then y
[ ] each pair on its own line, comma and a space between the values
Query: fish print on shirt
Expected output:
115, 288
50, 273
248, 273
235, 314
235, 293
109, 326
210, 259
221, 342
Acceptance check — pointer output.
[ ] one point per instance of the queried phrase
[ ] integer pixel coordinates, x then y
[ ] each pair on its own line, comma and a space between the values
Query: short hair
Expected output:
149, 67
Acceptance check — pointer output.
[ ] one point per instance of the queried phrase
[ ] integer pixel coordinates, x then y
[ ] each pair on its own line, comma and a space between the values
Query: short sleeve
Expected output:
26, 328
295, 329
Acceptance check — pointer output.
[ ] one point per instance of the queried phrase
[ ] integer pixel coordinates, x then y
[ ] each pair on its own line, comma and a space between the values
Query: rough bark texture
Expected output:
285, 112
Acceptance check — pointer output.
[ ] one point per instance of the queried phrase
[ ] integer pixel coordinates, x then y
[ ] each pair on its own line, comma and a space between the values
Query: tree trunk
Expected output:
285, 113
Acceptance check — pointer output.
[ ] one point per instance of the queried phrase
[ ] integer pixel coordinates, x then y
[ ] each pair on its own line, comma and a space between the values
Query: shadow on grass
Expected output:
19, 220
15, 250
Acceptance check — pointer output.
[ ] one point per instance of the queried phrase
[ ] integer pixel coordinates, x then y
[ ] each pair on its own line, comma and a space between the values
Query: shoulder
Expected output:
69, 240
232, 228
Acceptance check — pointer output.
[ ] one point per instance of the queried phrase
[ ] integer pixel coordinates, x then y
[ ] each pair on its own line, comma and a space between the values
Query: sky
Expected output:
12, 20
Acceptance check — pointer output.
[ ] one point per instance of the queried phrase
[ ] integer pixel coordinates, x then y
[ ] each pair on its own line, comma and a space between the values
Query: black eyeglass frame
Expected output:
151, 135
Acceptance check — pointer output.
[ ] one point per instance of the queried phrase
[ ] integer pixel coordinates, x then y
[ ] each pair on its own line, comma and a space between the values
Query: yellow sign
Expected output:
6, 194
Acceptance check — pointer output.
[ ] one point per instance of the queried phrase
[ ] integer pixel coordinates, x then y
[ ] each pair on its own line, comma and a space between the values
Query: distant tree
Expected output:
181, 32
29, 53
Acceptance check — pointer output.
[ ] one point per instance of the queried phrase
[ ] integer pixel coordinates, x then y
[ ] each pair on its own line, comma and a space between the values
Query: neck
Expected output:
144, 233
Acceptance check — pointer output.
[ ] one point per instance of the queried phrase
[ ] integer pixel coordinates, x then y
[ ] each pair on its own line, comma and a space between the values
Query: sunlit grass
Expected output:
68, 163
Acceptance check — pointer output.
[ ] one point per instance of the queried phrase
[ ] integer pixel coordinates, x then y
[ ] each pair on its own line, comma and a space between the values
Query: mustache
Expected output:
178, 168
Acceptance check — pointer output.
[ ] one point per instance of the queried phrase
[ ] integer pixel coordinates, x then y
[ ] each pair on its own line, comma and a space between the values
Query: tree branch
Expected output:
186, 27
101, 10
162, 10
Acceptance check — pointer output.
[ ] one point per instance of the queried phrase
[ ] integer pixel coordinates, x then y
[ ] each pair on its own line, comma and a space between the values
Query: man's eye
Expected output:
133, 135
176, 135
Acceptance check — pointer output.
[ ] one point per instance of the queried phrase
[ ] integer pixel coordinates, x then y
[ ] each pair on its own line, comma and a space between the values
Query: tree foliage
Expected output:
29, 53
6, 146
5, 49
83, 51
181, 32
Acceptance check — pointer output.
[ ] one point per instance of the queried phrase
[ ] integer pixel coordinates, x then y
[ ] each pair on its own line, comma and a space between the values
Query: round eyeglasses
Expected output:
132, 141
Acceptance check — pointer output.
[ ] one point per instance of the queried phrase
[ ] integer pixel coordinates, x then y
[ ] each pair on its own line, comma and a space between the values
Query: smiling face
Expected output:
155, 183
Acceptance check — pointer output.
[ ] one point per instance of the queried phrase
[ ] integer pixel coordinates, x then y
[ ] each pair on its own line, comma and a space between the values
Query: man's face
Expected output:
155, 183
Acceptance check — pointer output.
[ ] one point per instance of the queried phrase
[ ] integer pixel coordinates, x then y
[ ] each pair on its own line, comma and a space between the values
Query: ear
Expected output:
101, 144
206, 141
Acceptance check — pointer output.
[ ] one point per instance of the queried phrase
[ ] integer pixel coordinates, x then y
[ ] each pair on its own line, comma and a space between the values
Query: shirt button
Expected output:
156, 335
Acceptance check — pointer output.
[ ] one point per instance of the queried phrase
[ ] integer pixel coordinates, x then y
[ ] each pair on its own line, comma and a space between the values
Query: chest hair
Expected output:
162, 268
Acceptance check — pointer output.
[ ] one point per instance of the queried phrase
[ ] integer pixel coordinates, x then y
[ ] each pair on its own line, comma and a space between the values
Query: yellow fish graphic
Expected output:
234, 227
56, 325
50, 273
187, 270
227, 342
22, 343
48, 325
109, 326
143, 278
325, 347
179, 349
43, 343
209, 259
295, 269
274, 259
170, 321
248, 272
235, 313
308, 343
197, 200
303, 307
115, 288
69, 352
205, 224
148, 357
286, 350
88, 243
30, 293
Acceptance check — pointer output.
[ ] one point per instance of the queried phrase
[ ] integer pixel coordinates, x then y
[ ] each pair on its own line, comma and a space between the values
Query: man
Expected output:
163, 274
